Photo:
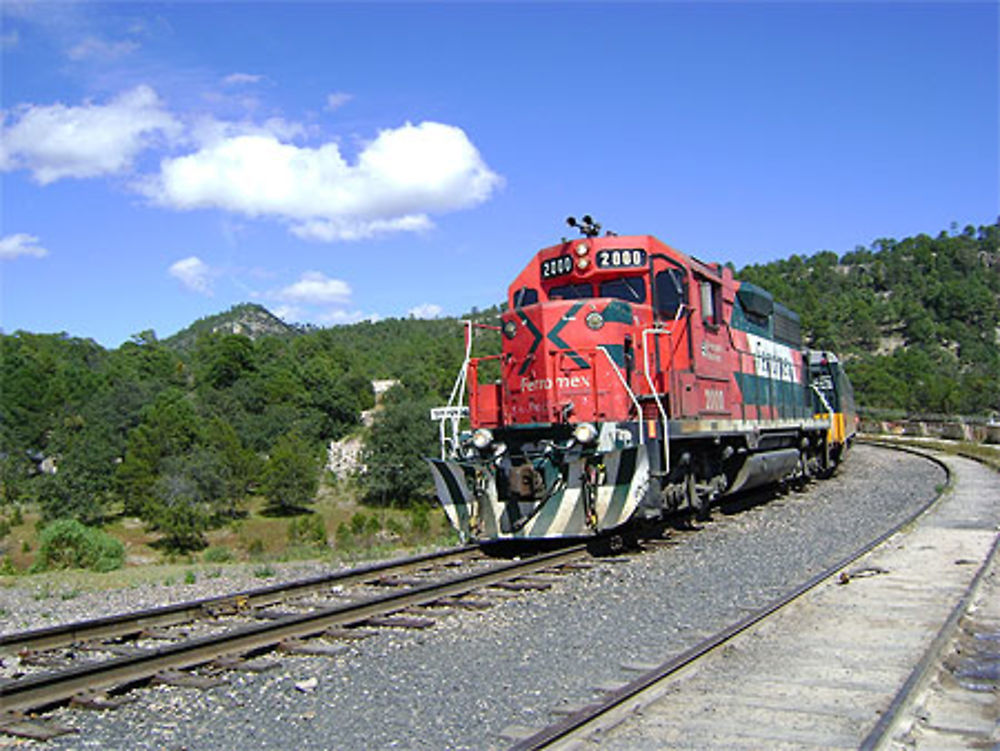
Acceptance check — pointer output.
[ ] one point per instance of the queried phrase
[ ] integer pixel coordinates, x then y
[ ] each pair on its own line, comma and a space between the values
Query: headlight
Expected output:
482, 438
582, 263
510, 329
581, 249
585, 433
594, 320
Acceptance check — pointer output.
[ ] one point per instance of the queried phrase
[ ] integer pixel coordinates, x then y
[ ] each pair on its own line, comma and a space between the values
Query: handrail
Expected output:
656, 396
628, 390
456, 409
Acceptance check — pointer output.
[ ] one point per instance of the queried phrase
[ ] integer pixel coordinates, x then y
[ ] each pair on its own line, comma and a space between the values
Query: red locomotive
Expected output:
635, 381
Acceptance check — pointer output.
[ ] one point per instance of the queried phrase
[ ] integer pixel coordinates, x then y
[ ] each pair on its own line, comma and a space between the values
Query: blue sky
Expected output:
334, 162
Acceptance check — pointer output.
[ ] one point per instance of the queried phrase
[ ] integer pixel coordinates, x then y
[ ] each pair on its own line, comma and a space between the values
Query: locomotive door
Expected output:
669, 354
708, 397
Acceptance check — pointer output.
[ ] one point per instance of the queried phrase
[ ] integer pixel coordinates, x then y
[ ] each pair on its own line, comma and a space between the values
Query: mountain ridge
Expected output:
247, 319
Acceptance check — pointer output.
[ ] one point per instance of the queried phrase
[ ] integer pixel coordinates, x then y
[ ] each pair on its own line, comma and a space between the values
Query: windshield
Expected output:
571, 292
630, 289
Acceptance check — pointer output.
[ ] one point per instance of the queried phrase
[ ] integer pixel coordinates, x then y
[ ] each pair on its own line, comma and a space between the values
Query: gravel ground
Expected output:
460, 684
65, 597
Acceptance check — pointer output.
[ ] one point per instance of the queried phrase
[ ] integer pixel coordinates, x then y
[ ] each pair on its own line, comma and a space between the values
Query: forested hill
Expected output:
178, 434
917, 320
248, 319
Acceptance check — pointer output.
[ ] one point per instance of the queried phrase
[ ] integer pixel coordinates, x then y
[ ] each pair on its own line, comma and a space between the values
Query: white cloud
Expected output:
194, 274
57, 141
315, 288
208, 132
237, 79
344, 317
427, 310
20, 244
93, 48
289, 313
399, 178
337, 99
396, 183
331, 230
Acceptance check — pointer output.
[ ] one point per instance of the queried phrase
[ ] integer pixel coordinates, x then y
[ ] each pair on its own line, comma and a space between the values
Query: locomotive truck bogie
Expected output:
635, 381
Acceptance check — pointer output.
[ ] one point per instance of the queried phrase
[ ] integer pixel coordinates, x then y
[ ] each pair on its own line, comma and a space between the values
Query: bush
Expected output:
363, 525
420, 521
255, 548
217, 554
307, 530
343, 536
66, 543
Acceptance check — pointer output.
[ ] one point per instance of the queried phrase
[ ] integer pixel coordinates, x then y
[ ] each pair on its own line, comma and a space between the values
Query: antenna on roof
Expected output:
587, 226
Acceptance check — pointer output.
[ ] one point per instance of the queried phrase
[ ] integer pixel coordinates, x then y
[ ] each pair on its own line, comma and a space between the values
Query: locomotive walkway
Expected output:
902, 649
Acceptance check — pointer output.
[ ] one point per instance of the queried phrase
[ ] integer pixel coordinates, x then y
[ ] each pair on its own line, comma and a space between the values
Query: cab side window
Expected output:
711, 302
671, 292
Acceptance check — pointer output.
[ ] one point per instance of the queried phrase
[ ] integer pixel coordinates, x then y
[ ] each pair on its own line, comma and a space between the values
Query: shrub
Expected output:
395, 527
256, 547
420, 521
66, 543
307, 530
217, 554
343, 536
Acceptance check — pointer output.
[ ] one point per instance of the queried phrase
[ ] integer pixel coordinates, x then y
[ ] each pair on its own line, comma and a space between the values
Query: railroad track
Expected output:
638, 692
47, 689
130, 624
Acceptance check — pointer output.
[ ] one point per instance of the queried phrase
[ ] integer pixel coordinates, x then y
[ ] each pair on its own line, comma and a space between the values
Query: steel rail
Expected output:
125, 624
562, 729
878, 736
48, 689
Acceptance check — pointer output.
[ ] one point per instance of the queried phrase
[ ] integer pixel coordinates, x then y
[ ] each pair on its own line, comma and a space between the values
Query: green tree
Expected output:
178, 506
169, 428
401, 437
290, 477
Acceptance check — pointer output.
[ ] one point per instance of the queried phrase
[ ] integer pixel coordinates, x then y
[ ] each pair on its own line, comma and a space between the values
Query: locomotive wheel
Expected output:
698, 502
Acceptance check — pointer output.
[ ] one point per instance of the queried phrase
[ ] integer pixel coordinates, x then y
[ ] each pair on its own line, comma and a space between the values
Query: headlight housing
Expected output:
594, 320
482, 438
585, 433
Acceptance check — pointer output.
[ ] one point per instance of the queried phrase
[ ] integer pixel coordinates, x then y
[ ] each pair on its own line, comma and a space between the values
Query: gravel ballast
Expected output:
461, 683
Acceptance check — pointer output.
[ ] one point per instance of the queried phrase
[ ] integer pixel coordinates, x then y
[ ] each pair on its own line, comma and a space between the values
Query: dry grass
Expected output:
254, 538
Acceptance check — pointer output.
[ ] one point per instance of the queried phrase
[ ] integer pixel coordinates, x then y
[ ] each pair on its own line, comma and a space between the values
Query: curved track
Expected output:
576, 725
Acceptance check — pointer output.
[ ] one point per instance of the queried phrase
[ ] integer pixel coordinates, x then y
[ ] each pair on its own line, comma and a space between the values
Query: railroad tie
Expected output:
256, 665
19, 726
187, 680
99, 701
399, 621
317, 649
